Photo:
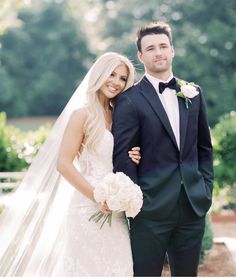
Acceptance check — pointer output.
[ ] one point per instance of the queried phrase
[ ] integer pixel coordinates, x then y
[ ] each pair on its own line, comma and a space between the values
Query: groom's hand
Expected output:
135, 155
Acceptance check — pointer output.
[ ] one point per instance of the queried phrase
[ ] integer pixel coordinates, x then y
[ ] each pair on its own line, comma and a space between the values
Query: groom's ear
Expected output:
173, 51
139, 55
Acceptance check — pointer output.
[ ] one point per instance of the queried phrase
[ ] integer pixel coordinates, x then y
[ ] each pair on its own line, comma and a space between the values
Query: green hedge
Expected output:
224, 139
207, 241
18, 148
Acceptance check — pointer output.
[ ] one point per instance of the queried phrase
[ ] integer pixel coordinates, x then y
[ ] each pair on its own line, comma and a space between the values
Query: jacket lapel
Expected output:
183, 119
150, 94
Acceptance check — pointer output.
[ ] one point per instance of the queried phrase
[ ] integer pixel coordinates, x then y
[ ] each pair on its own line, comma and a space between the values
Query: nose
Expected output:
116, 81
158, 51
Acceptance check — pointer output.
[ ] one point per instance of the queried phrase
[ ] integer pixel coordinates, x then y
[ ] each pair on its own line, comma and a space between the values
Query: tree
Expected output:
8, 13
42, 61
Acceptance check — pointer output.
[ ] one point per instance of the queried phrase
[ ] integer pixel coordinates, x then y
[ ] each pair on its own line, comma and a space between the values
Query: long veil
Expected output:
30, 226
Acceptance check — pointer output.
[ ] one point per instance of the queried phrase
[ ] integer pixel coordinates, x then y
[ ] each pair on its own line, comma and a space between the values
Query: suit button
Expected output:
181, 161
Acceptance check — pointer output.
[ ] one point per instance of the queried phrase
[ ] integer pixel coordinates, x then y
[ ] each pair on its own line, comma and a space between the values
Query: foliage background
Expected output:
47, 46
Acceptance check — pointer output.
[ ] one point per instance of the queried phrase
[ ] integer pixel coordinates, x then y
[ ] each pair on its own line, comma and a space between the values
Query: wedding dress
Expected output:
89, 250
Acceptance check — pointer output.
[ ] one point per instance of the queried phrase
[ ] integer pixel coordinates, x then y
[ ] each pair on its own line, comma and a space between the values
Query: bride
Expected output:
46, 229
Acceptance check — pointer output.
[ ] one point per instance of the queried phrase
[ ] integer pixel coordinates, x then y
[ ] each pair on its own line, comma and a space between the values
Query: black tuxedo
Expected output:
139, 119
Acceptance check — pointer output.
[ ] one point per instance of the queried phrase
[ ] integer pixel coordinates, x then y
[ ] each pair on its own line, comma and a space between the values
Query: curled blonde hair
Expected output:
95, 124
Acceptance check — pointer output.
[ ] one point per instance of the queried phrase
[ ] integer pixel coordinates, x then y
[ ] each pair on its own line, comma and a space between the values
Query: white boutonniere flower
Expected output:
187, 91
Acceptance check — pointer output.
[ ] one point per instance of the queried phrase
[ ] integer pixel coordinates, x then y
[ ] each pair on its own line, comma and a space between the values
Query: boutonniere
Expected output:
187, 91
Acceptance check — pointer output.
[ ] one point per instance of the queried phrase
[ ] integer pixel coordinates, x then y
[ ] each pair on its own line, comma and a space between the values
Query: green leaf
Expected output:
180, 94
182, 82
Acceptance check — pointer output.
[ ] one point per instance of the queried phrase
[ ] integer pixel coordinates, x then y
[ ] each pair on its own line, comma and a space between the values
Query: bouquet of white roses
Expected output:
120, 193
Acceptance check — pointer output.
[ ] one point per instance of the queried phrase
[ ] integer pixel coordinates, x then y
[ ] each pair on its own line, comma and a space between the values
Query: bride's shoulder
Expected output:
81, 113
79, 116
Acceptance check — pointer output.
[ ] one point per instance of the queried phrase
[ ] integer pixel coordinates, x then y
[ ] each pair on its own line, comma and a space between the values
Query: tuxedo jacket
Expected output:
139, 119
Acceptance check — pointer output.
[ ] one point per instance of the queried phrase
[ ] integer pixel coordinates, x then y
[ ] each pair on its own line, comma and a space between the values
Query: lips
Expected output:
111, 89
159, 60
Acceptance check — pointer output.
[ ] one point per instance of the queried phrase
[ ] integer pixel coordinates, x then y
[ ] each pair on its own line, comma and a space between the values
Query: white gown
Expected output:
89, 250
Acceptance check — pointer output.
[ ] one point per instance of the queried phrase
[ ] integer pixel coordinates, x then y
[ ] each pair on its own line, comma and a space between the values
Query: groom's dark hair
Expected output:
153, 28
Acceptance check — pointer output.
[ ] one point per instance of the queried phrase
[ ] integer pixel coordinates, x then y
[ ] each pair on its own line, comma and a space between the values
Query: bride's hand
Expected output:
135, 155
104, 208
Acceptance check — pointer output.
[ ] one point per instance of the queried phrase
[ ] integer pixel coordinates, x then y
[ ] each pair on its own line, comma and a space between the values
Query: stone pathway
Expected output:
230, 243
225, 232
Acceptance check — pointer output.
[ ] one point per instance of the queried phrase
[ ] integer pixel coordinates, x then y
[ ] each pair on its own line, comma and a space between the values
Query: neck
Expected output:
161, 75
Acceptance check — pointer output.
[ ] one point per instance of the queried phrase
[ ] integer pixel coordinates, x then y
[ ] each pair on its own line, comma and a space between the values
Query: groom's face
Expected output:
156, 54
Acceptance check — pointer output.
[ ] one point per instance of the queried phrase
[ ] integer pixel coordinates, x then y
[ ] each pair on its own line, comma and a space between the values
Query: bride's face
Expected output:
116, 82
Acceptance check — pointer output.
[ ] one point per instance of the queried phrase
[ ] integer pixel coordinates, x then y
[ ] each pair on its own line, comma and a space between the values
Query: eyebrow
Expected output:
152, 45
122, 76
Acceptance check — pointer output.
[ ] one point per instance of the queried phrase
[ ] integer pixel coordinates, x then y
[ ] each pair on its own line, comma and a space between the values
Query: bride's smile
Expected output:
115, 83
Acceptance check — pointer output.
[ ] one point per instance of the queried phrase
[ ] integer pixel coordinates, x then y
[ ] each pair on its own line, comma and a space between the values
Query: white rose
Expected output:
100, 193
113, 188
114, 203
109, 178
124, 194
131, 212
123, 180
133, 208
189, 91
135, 203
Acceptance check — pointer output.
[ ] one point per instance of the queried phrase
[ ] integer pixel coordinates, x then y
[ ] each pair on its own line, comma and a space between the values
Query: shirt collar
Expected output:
155, 81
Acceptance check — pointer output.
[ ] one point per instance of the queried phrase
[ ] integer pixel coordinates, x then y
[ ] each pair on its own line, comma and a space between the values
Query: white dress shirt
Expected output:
170, 103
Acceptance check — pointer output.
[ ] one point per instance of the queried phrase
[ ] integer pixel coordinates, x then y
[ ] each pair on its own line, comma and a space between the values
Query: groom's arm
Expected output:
125, 129
205, 150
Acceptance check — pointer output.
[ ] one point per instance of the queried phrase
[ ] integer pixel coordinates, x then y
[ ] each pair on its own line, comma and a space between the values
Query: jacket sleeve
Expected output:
205, 150
125, 129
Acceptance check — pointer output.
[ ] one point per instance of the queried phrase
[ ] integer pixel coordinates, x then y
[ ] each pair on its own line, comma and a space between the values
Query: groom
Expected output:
175, 171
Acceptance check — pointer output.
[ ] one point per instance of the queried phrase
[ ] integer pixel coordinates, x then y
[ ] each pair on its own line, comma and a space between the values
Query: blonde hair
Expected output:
95, 124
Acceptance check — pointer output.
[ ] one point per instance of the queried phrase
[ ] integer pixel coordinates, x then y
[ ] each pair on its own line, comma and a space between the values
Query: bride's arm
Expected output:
70, 146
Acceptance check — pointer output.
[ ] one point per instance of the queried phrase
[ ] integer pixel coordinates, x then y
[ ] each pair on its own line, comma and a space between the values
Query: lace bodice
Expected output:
97, 165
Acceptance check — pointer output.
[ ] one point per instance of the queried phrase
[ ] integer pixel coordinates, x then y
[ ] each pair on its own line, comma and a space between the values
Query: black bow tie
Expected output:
171, 84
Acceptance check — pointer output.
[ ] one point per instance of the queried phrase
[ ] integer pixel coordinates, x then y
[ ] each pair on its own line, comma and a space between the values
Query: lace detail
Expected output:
89, 250
99, 164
